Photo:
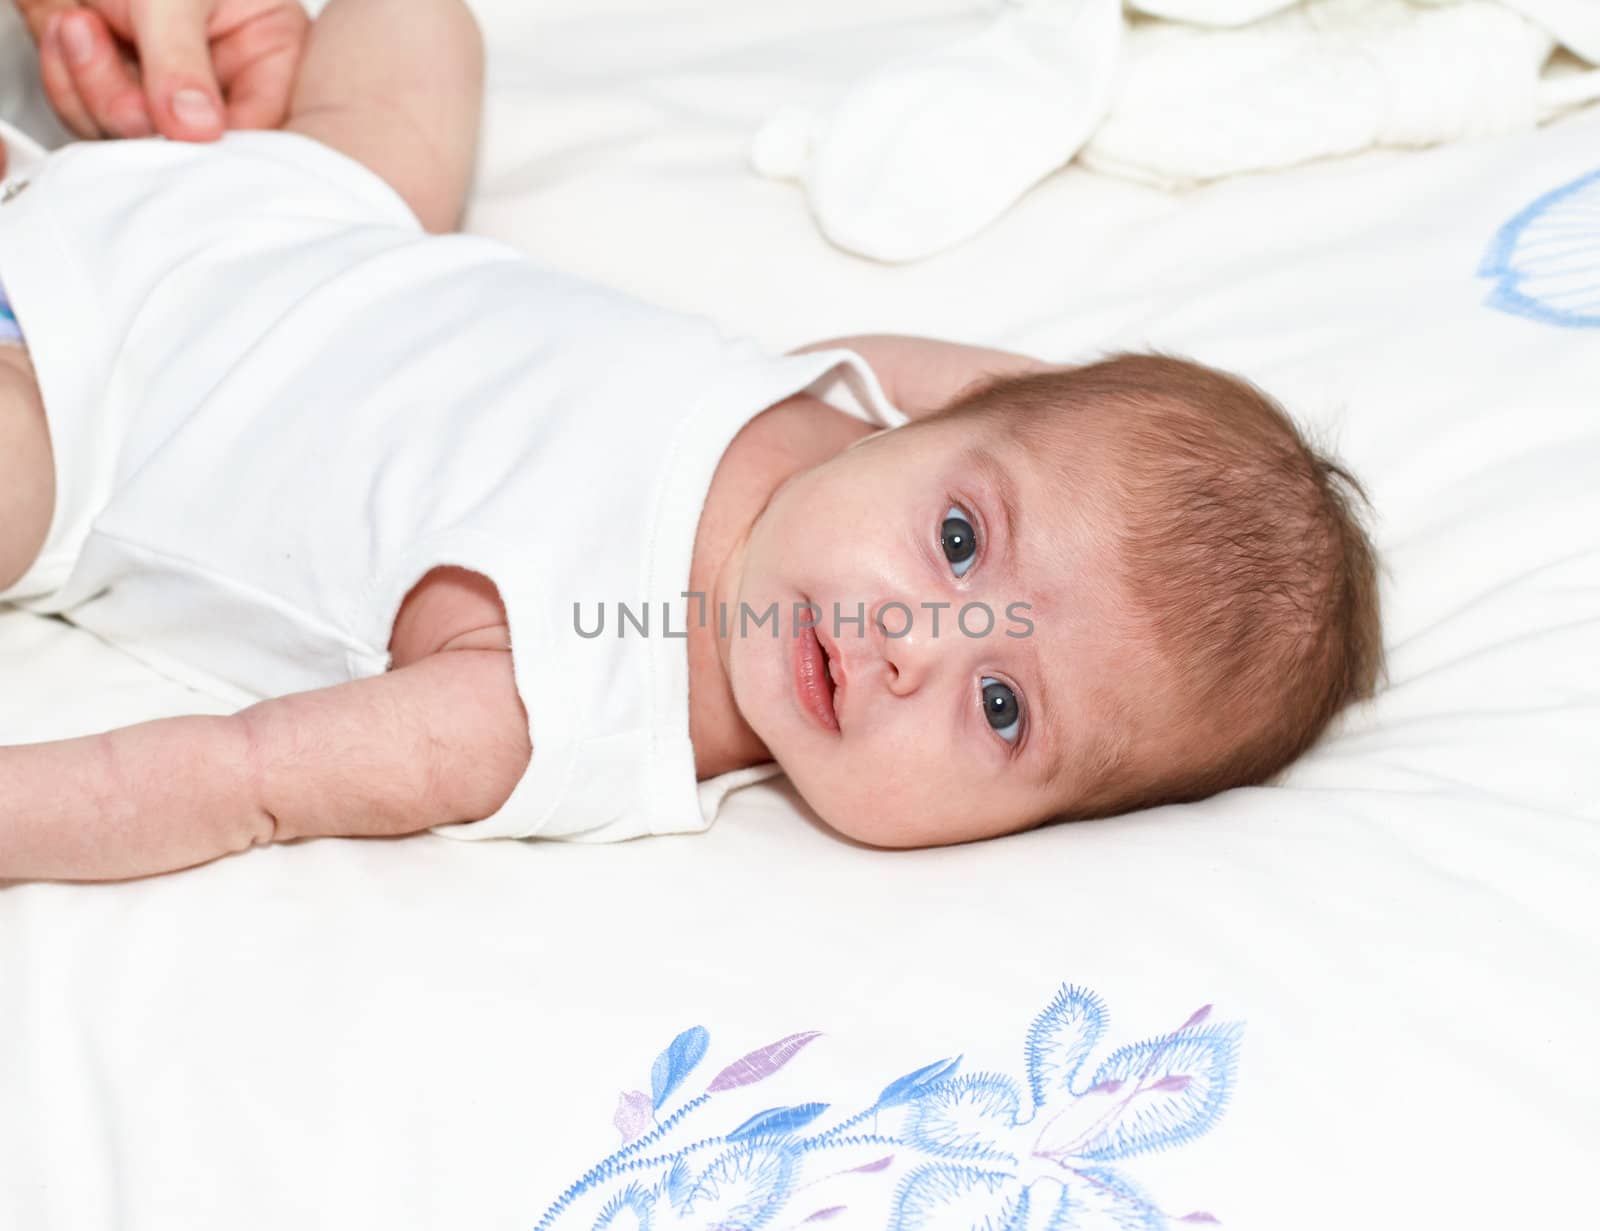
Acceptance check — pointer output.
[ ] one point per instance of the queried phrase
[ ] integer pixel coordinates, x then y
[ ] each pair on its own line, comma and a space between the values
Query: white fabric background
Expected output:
420, 1033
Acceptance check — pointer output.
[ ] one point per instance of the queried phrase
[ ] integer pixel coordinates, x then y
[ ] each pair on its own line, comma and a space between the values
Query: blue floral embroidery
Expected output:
1547, 259
937, 1150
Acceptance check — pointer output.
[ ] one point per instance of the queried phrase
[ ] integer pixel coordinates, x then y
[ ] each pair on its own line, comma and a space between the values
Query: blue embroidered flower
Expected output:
1546, 260
1145, 1096
955, 1152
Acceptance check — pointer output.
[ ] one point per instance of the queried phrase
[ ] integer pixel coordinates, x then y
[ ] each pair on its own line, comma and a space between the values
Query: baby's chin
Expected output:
856, 817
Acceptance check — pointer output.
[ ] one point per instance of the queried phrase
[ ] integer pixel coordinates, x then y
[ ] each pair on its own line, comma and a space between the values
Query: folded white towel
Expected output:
1326, 77
930, 149
1211, 12
1575, 24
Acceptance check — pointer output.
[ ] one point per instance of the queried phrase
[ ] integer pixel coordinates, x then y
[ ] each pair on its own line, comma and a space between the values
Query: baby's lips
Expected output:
836, 672
836, 664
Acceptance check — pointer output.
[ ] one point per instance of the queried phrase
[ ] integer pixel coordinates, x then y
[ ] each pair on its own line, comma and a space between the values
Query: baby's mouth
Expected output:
832, 671
815, 678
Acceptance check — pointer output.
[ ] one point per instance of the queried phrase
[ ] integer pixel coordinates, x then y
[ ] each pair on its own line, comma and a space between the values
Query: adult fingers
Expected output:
59, 87
256, 63
185, 101
43, 17
37, 13
56, 78
106, 81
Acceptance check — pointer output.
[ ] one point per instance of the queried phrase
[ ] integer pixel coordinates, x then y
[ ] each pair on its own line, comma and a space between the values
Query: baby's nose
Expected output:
906, 645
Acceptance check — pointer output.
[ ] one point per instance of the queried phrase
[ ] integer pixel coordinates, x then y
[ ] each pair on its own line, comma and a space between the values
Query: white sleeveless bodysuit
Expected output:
276, 404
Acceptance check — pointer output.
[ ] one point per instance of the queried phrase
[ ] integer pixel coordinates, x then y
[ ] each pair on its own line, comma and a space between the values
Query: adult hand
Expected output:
186, 69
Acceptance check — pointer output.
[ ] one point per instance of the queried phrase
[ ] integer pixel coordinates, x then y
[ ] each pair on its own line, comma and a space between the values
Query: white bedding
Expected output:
1399, 942
933, 145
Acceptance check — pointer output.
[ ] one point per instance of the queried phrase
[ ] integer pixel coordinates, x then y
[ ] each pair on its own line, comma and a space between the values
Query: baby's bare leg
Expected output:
27, 471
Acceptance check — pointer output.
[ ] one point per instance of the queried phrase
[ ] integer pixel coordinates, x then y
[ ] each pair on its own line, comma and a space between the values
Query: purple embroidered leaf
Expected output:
1105, 1087
1175, 1088
1060, 1040
907, 1088
778, 1121
876, 1165
761, 1063
633, 1114
677, 1062
1201, 1216
1198, 1016
824, 1215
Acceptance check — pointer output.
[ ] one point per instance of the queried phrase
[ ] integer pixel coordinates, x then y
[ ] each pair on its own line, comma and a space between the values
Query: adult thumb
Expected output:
175, 61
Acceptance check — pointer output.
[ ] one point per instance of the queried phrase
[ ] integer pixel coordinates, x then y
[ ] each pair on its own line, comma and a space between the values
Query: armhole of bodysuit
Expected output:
538, 665
850, 384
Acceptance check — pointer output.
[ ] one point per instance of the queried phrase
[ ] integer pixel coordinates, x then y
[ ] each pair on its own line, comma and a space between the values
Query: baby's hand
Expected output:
186, 69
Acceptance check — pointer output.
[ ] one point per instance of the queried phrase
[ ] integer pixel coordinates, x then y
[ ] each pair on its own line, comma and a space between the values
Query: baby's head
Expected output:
1086, 590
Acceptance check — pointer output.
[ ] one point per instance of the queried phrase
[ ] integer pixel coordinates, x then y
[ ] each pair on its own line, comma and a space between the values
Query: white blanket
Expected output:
929, 148
1398, 942
1328, 77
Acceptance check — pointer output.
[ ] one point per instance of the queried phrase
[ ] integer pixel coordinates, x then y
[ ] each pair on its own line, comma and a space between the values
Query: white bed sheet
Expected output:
1400, 941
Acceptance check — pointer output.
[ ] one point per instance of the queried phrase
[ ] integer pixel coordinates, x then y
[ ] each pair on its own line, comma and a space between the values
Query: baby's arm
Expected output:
921, 375
398, 86
441, 740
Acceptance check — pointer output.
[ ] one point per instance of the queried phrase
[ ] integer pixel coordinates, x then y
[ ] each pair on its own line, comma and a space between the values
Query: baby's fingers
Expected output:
92, 87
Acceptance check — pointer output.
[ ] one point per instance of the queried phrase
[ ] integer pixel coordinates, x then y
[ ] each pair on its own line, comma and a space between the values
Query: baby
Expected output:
481, 548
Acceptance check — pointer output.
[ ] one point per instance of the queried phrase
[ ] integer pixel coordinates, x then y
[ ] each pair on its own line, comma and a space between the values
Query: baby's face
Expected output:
947, 723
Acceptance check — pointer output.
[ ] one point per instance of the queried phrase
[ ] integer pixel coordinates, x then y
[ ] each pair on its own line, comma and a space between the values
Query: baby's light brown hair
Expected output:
1241, 546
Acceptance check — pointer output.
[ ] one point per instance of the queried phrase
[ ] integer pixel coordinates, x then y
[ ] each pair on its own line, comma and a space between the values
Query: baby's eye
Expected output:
959, 540
1001, 708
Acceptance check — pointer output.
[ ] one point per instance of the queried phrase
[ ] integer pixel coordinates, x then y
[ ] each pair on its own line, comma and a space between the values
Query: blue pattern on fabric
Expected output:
1546, 259
935, 1149
10, 331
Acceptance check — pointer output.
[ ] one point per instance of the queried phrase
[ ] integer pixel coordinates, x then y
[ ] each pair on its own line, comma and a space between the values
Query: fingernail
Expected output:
194, 107
76, 41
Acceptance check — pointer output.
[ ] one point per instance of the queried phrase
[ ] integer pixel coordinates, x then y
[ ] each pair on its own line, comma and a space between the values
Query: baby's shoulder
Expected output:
806, 428
452, 608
